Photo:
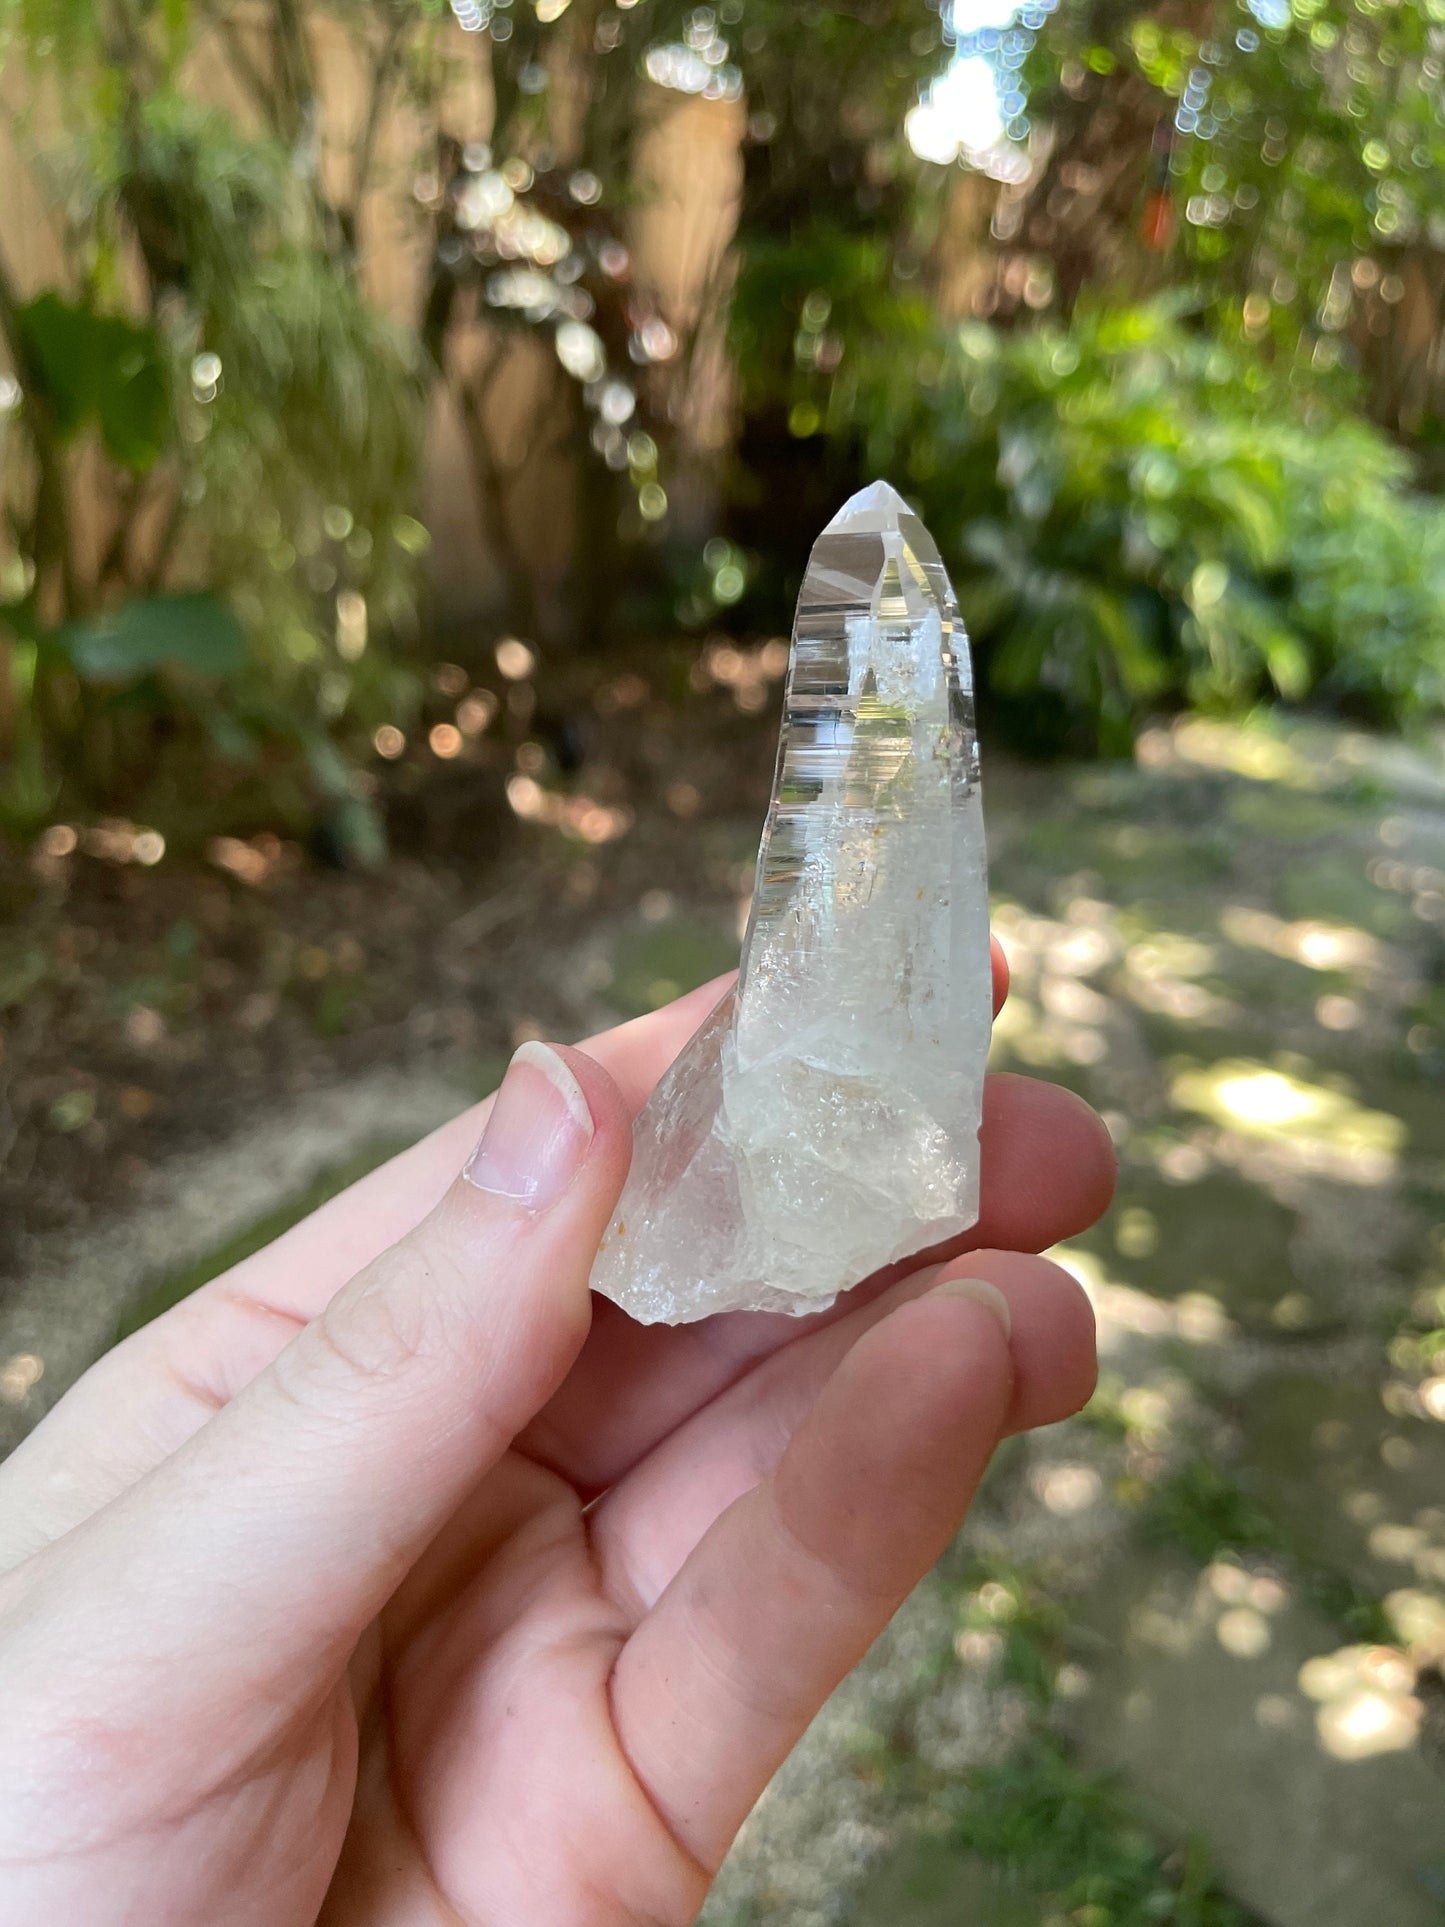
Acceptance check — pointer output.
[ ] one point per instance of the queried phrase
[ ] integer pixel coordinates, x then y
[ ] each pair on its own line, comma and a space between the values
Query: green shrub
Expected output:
245, 426
1140, 517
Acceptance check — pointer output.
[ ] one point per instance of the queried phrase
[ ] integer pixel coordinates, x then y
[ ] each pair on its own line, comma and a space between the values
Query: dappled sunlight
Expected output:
1313, 1126
1319, 946
1198, 1317
1207, 743
1066, 1489
1418, 1618
1366, 1701
1243, 1632
1053, 1017
1230, 1605
1360, 1699
19, 1376
1423, 883
1168, 954
1420, 1545
1270, 1454
1136, 1232
1236, 1586
1159, 974
1293, 754
1178, 1160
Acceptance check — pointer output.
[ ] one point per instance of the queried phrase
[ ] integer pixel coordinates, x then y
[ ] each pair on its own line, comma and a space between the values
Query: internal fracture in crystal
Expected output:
824, 1120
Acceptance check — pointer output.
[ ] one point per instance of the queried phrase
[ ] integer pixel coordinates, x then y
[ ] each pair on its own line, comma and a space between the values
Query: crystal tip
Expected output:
879, 506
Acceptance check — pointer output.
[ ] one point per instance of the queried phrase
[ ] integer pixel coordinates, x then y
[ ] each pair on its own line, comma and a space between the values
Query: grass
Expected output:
1036, 1838
1076, 1841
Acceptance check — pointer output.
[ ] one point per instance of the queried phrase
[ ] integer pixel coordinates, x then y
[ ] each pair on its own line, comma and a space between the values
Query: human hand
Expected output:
440, 1596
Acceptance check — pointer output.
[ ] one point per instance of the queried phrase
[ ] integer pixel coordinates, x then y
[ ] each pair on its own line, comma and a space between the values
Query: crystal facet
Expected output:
824, 1121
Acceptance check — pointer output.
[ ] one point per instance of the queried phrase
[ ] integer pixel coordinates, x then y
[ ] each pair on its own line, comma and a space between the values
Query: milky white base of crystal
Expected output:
760, 1175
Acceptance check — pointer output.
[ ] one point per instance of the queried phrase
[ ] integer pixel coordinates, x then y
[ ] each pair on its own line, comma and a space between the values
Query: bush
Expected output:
244, 426
1139, 517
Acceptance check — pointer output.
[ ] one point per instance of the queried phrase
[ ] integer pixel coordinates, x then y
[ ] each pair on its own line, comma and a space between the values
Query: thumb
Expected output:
284, 1525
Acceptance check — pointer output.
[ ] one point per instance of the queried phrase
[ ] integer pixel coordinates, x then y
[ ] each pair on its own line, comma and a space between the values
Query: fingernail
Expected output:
982, 1293
538, 1132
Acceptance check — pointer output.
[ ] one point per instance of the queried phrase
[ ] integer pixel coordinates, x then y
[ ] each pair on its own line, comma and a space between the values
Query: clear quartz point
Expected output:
824, 1120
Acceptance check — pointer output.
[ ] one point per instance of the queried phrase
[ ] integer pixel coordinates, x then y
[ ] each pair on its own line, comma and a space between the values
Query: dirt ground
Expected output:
149, 1007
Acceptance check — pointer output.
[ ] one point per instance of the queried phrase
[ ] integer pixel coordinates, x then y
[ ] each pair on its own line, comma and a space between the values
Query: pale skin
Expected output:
390, 1581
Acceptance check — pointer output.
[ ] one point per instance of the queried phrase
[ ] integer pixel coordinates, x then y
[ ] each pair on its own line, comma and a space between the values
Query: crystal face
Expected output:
824, 1120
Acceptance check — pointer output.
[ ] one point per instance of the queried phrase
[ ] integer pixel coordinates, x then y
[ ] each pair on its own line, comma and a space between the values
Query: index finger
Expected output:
152, 1393
301, 1271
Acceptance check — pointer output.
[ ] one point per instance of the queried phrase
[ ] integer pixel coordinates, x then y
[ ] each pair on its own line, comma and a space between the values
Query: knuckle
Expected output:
389, 1324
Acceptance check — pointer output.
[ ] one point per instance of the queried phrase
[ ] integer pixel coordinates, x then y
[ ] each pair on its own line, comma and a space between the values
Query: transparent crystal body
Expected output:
824, 1120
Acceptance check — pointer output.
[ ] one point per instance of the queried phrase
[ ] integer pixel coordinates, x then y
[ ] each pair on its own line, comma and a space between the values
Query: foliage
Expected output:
1208, 1513
213, 339
1283, 157
828, 227
831, 238
1141, 516
101, 369
260, 424
1150, 498
1074, 1840
1073, 1835
151, 633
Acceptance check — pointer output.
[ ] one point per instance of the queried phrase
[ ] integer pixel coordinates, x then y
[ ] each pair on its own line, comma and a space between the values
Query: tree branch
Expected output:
256, 83
382, 76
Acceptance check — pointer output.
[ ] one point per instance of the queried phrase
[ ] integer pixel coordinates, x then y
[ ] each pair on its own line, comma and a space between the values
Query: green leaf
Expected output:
197, 633
131, 400
176, 18
19, 619
56, 338
101, 369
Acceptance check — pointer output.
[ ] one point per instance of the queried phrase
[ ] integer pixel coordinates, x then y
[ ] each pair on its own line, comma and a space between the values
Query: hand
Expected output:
440, 1596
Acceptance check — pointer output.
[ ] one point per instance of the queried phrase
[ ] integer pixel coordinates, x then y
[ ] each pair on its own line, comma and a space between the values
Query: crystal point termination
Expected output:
824, 1121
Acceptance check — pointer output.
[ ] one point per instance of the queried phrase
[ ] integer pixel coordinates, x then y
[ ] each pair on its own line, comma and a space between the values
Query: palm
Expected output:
483, 1702
487, 1732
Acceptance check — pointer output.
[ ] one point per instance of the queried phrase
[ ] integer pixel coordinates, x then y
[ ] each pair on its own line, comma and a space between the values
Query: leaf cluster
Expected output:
1143, 516
1073, 1836
1303, 150
261, 420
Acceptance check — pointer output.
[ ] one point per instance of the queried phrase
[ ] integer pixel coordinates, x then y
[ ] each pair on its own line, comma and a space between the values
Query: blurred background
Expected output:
414, 420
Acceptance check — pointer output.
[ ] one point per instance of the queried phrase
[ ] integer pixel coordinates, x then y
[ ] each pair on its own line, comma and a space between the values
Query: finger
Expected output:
298, 1273
1047, 1172
792, 1585
303, 1503
648, 1524
154, 1391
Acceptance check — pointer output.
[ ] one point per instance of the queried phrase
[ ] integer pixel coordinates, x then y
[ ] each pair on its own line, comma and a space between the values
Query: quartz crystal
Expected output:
824, 1120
